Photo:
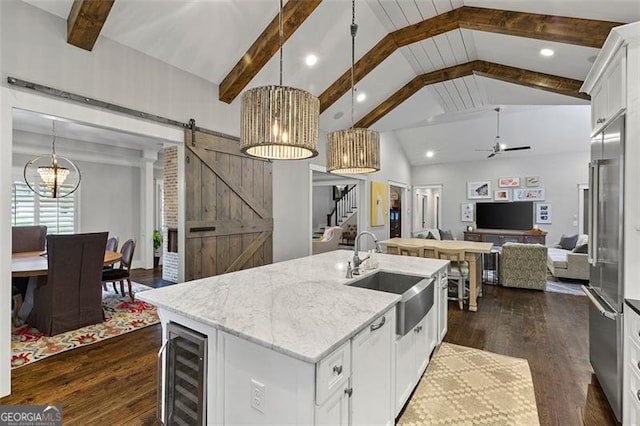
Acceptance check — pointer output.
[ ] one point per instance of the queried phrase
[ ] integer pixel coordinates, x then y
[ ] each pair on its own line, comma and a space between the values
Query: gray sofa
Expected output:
566, 264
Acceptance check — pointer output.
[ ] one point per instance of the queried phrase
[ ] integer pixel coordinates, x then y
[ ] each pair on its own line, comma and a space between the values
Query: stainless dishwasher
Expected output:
182, 365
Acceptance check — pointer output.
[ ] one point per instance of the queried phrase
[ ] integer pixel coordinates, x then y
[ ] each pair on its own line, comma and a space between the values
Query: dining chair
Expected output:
112, 244
71, 297
121, 274
28, 238
409, 250
458, 270
392, 249
23, 239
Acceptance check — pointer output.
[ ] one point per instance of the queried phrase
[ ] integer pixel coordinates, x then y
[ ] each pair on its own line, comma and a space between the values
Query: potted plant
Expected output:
157, 244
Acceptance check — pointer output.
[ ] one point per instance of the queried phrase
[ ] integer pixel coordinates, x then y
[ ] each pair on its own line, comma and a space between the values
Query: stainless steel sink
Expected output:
417, 296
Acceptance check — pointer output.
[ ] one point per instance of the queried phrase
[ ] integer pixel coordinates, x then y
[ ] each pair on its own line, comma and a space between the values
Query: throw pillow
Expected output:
583, 249
446, 235
582, 240
568, 243
435, 234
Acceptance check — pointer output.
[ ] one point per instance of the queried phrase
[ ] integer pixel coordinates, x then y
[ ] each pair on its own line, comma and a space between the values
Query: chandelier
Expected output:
279, 122
353, 150
52, 176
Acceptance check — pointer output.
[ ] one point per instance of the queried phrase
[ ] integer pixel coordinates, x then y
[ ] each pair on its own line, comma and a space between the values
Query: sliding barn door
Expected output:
228, 198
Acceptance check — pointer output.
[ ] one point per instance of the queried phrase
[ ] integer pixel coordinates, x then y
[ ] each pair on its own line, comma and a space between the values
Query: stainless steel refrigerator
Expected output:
606, 238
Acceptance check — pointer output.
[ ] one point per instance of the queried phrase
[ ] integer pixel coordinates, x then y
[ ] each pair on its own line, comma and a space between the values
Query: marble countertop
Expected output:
300, 307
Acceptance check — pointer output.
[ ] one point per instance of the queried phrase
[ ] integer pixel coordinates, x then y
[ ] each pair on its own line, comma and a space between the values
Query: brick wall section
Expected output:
170, 260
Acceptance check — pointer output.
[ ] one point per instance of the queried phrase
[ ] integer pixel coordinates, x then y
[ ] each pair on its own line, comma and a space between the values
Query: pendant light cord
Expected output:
354, 30
281, 37
53, 132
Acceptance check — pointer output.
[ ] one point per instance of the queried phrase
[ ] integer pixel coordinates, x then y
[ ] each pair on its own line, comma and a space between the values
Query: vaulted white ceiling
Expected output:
207, 38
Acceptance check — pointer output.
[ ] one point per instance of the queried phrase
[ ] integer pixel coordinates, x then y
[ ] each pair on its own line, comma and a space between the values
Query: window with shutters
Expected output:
57, 214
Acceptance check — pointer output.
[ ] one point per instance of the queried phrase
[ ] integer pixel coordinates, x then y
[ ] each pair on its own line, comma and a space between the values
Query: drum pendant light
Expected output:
279, 122
52, 176
353, 150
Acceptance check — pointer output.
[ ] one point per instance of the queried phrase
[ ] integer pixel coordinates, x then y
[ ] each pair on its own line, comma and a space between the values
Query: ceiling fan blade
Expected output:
517, 148
488, 150
491, 155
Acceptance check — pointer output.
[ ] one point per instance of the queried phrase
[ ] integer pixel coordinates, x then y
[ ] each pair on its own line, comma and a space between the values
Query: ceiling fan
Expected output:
499, 147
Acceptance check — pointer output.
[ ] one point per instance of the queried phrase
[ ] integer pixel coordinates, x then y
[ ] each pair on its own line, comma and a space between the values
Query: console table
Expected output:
500, 236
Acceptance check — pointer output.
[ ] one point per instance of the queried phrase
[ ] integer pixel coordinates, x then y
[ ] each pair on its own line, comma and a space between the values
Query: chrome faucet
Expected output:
356, 248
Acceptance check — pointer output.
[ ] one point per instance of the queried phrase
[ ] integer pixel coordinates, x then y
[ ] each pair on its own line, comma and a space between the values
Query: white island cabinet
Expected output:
294, 343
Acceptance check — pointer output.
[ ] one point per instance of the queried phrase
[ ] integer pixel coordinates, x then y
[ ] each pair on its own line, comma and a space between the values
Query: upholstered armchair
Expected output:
329, 241
523, 266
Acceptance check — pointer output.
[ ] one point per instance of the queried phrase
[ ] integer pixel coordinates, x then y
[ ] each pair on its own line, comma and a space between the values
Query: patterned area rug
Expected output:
29, 345
465, 386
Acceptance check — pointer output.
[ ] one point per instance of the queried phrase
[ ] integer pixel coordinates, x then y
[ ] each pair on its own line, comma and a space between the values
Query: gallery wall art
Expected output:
479, 190
529, 194
509, 182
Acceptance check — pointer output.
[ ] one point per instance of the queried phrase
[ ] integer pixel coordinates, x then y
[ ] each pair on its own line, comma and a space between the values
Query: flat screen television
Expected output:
515, 215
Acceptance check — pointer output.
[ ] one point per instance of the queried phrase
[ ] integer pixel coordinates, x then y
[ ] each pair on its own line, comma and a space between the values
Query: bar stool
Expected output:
409, 250
458, 270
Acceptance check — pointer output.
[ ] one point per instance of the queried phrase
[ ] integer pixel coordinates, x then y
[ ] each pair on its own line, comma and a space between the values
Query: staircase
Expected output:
345, 207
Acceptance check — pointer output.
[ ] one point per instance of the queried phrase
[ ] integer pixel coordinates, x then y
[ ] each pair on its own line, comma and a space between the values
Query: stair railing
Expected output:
345, 204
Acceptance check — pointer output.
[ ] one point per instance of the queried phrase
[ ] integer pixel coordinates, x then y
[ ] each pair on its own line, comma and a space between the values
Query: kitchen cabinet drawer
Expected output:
332, 372
633, 360
634, 329
632, 410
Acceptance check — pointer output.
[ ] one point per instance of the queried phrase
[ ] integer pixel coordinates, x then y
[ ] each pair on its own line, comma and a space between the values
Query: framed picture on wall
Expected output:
379, 209
478, 190
508, 182
530, 194
501, 195
532, 181
466, 212
543, 213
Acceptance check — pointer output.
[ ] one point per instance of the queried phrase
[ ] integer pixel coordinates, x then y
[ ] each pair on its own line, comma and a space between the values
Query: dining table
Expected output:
35, 266
472, 252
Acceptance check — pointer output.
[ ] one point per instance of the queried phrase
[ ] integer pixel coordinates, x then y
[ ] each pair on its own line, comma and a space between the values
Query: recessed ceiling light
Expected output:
311, 60
338, 115
546, 52
430, 154
361, 97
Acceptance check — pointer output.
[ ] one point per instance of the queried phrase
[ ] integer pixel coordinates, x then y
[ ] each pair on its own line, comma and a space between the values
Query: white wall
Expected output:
98, 207
559, 176
322, 204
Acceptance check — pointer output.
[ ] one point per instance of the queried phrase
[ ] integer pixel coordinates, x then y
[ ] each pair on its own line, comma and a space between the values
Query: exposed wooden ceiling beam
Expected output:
85, 22
581, 32
294, 13
551, 83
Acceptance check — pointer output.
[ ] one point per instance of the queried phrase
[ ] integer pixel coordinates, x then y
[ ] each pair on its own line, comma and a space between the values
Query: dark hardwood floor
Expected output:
550, 330
114, 381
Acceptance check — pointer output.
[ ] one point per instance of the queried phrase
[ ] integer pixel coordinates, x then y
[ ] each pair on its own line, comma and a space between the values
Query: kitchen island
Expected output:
293, 342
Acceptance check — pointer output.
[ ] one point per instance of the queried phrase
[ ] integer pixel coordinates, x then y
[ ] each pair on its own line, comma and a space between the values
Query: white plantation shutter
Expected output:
57, 214
23, 210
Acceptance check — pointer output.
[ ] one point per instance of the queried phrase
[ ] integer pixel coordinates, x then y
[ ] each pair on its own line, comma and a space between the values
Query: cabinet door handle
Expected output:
337, 369
349, 392
637, 394
374, 327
